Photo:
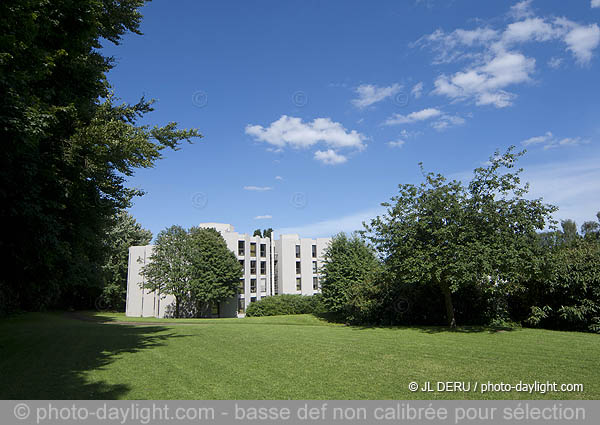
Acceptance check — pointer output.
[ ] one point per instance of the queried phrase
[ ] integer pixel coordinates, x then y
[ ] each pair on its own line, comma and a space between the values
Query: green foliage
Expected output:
286, 304
568, 295
266, 233
67, 147
215, 270
347, 261
194, 266
454, 236
169, 271
124, 232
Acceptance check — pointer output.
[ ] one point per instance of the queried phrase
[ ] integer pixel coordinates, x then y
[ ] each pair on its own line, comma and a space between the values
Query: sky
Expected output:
314, 112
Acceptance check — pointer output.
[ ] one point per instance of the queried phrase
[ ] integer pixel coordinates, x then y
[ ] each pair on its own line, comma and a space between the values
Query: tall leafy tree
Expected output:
124, 232
347, 262
453, 235
170, 269
68, 146
215, 270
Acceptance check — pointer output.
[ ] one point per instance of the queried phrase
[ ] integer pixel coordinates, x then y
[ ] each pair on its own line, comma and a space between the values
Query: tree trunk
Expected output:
177, 307
449, 306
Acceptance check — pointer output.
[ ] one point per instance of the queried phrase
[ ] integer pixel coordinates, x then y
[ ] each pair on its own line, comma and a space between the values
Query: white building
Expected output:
285, 266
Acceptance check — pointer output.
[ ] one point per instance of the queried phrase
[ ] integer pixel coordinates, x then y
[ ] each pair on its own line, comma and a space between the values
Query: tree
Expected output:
266, 233
68, 146
347, 262
452, 235
215, 270
124, 232
169, 271
194, 266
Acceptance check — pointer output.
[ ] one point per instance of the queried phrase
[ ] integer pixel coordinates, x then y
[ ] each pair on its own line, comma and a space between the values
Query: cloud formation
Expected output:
413, 117
369, 94
291, 131
330, 157
263, 217
494, 63
258, 188
396, 143
549, 141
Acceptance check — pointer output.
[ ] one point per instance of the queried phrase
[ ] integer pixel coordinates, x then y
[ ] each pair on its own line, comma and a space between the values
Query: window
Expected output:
298, 284
252, 249
252, 299
298, 268
252, 266
297, 251
241, 305
242, 284
263, 284
241, 248
314, 267
263, 250
263, 267
243, 266
252, 285
314, 251
315, 283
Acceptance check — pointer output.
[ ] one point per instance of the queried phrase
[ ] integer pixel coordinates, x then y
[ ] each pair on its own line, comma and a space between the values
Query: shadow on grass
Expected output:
430, 329
52, 357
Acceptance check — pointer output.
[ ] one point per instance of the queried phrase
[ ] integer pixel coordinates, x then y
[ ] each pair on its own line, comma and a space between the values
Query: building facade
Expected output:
288, 265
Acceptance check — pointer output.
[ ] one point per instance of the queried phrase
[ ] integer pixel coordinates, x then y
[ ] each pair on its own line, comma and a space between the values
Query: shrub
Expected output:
286, 304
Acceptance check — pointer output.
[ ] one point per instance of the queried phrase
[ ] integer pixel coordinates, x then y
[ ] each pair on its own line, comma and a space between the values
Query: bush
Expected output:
286, 304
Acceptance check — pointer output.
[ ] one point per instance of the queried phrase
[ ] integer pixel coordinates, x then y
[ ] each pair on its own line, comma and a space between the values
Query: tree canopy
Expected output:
68, 145
194, 266
452, 235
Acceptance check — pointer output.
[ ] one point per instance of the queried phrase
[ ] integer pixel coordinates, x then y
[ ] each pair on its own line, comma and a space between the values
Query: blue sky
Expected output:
313, 112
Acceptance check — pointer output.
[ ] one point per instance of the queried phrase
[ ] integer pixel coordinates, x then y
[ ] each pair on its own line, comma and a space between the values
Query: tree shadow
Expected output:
50, 356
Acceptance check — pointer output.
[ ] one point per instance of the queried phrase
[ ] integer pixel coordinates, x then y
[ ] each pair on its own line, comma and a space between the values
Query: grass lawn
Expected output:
50, 355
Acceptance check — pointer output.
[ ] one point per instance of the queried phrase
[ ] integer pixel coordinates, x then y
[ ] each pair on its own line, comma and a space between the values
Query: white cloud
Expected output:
417, 90
538, 139
582, 40
258, 188
291, 131
595, 3
396, 143
531, 29
422, 115
449, 47
263, 217
555, 62
330, 227
521, 10
278, 178
446, 121
495, 65
486, 83
550, 142
330, 157
369, 94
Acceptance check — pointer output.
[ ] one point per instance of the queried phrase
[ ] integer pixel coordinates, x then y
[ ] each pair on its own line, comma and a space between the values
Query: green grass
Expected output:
50, 355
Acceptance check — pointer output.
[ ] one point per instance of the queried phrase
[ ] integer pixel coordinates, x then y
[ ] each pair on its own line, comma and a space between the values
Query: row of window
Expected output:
299, 268
242, 249
299, 283
263, 266
263, 285
263, 249
314, 251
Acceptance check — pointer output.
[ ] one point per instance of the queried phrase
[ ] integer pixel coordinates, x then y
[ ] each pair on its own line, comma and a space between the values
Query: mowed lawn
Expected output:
54, 356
